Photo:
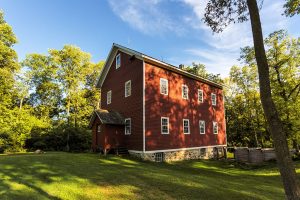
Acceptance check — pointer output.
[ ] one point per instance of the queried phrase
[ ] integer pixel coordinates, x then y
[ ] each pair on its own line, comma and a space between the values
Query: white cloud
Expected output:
220, 51
145, 16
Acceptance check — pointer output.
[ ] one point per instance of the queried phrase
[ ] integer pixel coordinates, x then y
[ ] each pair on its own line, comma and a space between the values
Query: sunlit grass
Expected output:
89, 176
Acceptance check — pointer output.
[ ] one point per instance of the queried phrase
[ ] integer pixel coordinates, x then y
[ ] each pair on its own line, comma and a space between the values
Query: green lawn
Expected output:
88, 176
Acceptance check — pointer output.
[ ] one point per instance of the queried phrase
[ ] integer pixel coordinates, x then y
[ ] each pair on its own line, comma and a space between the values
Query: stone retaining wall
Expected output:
169, 156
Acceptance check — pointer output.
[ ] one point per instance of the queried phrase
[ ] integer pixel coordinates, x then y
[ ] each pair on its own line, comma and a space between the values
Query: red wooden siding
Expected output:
129, 107
177, 109
110, 136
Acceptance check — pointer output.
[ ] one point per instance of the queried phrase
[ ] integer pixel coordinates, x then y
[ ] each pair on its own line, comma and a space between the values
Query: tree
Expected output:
42, 75
200, 70
218, 15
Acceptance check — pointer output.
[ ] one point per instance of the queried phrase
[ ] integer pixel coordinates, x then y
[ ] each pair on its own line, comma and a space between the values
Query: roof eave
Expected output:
180, 71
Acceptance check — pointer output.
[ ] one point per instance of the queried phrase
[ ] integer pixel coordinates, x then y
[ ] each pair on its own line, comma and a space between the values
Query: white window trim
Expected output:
98, 128
217, 128
188, 126
125, 126
214, 103
126, 95
187, 93
161, 126
200, 127
199, 90
109, 94
167, 85
118, 56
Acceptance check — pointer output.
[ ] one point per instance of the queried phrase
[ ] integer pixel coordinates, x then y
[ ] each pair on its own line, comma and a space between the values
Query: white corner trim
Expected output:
144, 126
225, 132
179, 149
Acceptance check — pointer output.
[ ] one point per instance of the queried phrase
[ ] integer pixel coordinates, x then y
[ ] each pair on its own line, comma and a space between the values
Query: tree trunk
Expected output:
284, 161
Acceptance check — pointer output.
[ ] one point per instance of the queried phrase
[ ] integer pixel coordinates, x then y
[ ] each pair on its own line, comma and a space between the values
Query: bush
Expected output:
57, 139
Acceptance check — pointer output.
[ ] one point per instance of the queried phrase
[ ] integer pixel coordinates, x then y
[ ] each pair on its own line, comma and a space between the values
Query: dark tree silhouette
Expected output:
218, 15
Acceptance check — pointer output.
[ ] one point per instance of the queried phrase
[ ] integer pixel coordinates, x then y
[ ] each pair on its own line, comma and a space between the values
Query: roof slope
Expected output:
107, 117
149, 59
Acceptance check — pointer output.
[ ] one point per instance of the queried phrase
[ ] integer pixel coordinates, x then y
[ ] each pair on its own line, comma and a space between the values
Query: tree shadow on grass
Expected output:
113, 177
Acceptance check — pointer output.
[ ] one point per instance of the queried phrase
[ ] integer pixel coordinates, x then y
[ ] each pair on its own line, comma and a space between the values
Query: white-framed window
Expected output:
118, 61
185, 92
159, 156
128, 126
200, 96
108, 97
164, 125
213, 99
186, 126
127, 88
99, 128
202, 126
164, 86
215, 127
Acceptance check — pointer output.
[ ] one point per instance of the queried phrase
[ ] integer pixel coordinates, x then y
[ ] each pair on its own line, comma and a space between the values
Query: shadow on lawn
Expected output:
122, 178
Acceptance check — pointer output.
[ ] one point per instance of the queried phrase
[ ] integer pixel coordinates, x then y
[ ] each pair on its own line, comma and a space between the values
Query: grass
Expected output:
88, 176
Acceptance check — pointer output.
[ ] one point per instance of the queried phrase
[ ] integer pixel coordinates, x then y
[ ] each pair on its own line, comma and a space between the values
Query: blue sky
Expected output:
169, 30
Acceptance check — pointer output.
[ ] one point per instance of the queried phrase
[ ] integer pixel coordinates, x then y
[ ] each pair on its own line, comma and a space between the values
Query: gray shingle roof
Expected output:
107, 117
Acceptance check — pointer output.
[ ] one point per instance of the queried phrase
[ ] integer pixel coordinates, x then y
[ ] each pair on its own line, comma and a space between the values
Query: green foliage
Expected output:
245, 121
200, 70
292, 7
48, 103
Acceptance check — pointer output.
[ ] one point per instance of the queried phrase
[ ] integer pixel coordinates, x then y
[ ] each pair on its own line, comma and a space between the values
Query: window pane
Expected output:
164, 86
200, 96
186, 126
184, 92
213, 99
127, 88
118, 61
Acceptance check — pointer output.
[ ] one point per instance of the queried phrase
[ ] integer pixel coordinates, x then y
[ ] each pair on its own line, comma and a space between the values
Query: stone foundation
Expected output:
169, 156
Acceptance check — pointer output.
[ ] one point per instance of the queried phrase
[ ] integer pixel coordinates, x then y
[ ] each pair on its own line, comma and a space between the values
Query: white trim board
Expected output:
180, 149
144, 117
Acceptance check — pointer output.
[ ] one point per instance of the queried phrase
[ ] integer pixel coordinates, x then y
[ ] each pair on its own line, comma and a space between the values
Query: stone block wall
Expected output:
169, 156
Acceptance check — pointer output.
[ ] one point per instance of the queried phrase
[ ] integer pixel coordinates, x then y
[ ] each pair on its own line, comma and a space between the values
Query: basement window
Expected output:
203, 152
159, 157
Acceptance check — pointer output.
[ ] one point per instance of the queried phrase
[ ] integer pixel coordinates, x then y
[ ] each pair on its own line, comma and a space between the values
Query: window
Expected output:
213, 99
98, 128
202, 126
108, 98
128, 126
200, 96
202, 152
127, 88
186, 126
164, 86
159, 157
164, 125
215, 127
118, 61
185, 91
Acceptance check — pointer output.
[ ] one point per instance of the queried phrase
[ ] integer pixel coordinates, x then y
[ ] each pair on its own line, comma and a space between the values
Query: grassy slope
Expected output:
88, 176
